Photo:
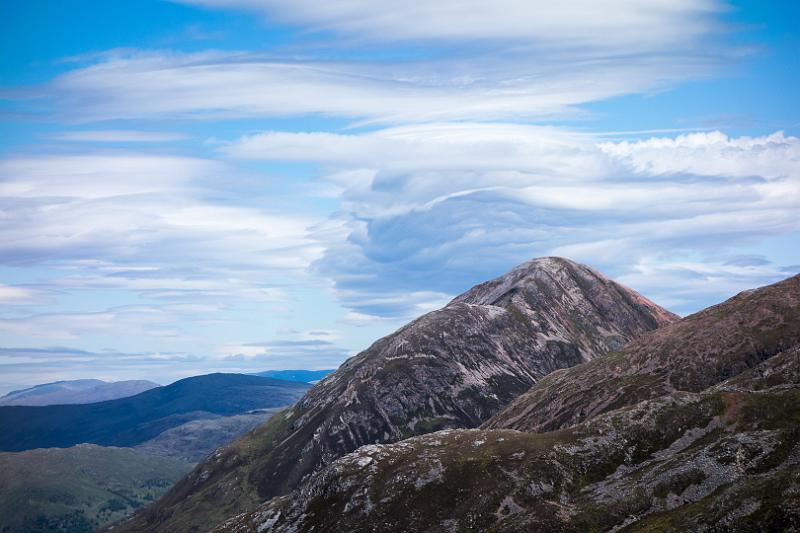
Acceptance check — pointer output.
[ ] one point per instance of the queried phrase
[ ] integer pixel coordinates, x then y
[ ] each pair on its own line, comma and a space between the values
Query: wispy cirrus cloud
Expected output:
129, 208
11, 295
285, 353
117, 136
209, 85
574, 24
135, 226
130, 321
525, 62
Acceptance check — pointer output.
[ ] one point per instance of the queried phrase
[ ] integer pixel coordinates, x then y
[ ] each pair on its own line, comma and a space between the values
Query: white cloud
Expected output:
511, 83
711, 154
284, 354
99, 175
679, 284
136, 208
353, 318
433, 146
573, 23
427, 211
128, 226
113, 136
16, 295
506, 60
135, 320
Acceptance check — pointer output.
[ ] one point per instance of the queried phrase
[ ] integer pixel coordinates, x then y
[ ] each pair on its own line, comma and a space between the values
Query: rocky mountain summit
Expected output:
452, 368
693, 427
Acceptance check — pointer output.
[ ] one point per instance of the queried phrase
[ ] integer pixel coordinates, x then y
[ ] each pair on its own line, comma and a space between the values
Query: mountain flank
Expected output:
452, 368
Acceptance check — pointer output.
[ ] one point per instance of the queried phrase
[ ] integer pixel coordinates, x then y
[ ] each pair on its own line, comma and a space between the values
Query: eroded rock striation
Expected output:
452, 368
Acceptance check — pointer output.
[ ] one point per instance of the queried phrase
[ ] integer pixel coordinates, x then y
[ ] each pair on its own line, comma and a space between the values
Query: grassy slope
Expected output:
77, 489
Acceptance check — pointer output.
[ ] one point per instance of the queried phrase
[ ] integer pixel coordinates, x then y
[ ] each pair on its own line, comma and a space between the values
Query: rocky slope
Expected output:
709, 440
689, 355
452, 368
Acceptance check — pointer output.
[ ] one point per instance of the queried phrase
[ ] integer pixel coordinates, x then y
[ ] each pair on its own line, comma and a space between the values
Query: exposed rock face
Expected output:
452, 368
690, 355
714, 445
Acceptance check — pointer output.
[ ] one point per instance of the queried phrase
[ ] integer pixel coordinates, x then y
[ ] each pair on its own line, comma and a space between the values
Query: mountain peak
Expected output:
555, 294
451, 368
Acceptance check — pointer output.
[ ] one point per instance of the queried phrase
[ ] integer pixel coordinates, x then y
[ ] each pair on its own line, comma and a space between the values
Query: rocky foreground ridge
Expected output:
452, 368
693, 427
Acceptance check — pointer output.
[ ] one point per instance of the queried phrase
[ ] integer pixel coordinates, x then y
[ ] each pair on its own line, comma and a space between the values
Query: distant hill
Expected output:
76, 392
134, 420
80, 488
194, 440
303, 376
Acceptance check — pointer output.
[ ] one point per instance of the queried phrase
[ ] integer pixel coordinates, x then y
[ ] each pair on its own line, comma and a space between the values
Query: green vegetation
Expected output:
78, 489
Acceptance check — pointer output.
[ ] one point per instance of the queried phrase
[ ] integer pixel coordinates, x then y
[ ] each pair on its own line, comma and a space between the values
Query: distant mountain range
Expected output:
76, 392
303, 376
549, 399
137, 419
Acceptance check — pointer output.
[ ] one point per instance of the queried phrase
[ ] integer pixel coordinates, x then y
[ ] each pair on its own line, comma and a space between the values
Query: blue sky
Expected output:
238, 185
